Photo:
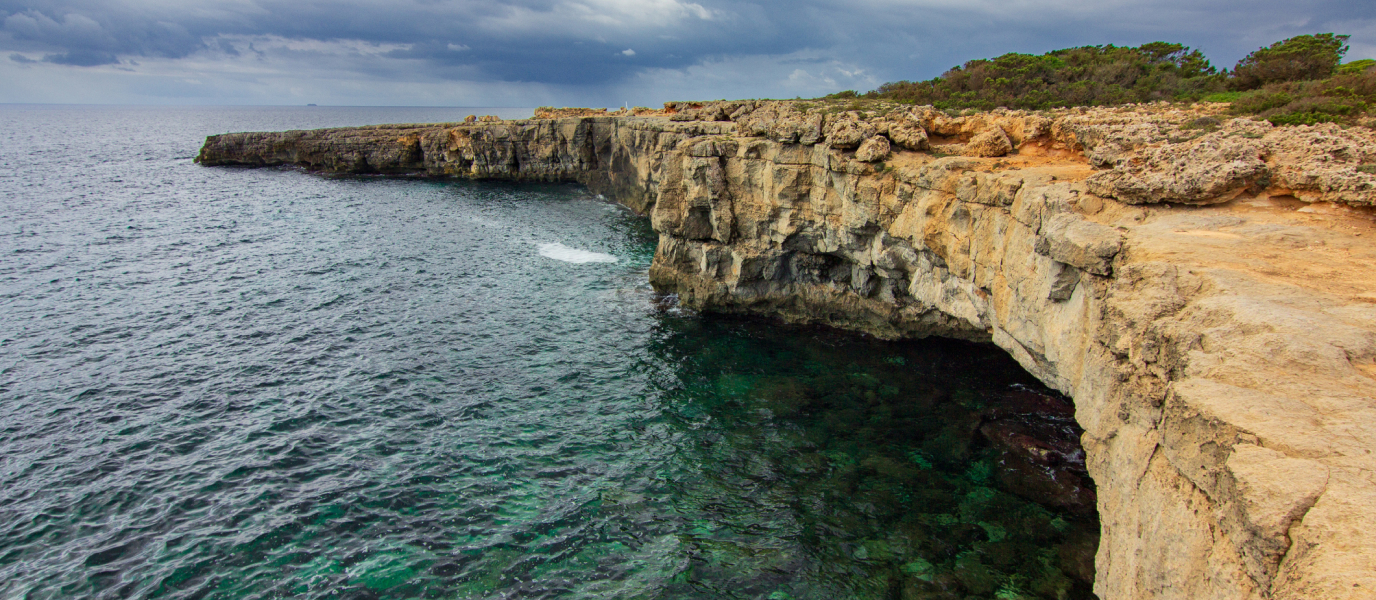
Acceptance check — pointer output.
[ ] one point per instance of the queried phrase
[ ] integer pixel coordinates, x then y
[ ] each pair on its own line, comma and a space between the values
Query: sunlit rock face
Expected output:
1204, 294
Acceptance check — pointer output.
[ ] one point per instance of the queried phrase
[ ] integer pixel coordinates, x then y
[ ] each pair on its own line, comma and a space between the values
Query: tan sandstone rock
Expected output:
993, 142
909, 136
848, 130
873, 149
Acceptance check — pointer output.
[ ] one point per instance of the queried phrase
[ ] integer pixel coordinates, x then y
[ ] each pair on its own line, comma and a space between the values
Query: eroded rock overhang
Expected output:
1203, 287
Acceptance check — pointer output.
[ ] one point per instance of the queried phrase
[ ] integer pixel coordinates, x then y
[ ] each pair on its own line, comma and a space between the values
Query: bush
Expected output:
1087, 76
1205, 123
1291, 82
1222, 97
1300, 58
1259, 101
1356, 66
1312, 113
1338, 99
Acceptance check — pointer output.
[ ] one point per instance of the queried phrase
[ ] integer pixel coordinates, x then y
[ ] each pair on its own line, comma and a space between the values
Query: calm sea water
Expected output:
229, 383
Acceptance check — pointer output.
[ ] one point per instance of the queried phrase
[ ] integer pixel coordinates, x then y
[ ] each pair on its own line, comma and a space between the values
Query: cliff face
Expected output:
1220, 349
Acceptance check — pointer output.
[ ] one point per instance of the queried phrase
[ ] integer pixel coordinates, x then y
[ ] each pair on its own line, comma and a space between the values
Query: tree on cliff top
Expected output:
1085, 76
1299, 58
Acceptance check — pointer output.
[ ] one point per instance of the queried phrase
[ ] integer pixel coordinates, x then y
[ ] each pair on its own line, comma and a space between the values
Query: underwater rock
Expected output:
1049, 471
1039, 453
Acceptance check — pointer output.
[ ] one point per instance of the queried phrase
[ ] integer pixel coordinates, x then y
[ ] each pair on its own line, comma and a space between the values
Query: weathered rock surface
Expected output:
1222, 358
993, 142
873, 149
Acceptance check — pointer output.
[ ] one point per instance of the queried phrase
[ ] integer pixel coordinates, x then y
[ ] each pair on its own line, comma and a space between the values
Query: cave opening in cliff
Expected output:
929, 468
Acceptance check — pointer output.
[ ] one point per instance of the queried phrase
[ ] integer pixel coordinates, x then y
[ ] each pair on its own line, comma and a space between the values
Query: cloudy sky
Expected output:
583, 52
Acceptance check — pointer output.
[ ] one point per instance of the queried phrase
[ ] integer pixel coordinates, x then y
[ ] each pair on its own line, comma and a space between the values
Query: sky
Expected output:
526, 53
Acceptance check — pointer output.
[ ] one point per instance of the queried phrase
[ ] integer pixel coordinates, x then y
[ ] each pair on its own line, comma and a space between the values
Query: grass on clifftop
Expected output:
1300, 80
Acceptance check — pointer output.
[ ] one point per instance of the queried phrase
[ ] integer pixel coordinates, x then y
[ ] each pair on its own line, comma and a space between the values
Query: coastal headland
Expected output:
1203, 287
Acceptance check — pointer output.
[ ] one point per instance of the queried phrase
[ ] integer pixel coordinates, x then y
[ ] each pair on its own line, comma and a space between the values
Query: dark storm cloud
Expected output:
82, 58
88, 37
529, 40
600, 42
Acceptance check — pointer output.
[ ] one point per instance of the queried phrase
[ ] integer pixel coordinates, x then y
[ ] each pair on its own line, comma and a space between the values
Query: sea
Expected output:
271, 383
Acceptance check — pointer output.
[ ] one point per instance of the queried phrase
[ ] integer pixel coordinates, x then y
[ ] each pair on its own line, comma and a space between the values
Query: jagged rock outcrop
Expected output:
1222, 358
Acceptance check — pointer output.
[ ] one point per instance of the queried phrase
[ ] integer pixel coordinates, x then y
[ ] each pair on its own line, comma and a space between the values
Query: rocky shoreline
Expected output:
1202, 287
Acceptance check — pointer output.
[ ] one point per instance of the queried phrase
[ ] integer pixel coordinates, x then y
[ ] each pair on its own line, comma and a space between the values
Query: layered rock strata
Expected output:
1204, 288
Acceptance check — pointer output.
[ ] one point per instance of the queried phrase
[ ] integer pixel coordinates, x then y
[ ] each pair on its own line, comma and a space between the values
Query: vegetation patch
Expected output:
1341, 98
1357, 66
1299, 58
1205, 123
1296, 81
1222, 97
1086, 76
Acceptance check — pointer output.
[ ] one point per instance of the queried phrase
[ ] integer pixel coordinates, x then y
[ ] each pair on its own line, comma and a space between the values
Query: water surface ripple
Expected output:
228, 383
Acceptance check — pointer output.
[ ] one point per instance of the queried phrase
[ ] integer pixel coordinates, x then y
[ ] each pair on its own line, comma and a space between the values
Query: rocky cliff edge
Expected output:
1203, 287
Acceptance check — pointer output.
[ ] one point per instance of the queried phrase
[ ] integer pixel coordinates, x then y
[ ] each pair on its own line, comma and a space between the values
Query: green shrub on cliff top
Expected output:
1086, 76
1338, 99
1300, 58
1356, 66
1297, 81
1222, 97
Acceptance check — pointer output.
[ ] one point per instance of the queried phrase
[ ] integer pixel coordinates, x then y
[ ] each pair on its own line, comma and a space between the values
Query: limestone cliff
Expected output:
1202, 287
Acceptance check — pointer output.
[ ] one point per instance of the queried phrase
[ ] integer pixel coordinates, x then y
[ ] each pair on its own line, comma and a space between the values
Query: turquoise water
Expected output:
227, 383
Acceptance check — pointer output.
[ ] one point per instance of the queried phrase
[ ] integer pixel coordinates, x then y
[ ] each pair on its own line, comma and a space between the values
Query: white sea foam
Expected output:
559, 251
